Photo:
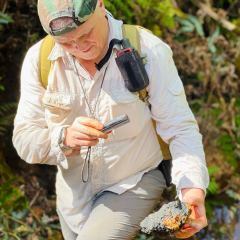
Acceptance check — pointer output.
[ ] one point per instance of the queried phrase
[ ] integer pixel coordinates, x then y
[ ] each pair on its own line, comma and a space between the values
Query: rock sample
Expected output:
168, 220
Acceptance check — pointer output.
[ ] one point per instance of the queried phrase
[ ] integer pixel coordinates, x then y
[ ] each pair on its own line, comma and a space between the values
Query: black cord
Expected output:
108, 54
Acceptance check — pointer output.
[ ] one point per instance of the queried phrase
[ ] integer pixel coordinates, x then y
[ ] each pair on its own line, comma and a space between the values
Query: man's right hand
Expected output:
84, 132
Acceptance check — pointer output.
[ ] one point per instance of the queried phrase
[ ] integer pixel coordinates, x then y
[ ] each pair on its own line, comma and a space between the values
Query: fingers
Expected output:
88, 131
75, 140
185, 233
191, 227
90, 127
84, 132
91, 143
90, 123
82, 136
198, 224
197, 219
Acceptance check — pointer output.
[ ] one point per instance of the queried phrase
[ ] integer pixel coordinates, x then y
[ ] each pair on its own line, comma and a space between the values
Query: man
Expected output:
106, 191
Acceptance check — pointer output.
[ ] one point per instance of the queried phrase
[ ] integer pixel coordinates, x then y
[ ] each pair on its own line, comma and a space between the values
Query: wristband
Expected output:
61, 139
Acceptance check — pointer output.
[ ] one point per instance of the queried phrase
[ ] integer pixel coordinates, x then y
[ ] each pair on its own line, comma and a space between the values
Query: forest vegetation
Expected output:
205, 39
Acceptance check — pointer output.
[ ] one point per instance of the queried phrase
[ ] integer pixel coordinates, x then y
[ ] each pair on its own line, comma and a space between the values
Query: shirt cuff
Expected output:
55, 148
191, 180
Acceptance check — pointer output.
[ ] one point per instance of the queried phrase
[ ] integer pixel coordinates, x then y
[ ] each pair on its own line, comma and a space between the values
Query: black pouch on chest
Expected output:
132, 68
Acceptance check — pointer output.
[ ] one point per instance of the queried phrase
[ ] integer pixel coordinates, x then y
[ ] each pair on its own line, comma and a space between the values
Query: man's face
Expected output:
88, 40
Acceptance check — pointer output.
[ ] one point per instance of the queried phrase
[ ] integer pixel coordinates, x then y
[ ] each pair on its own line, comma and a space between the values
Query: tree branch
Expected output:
229, 26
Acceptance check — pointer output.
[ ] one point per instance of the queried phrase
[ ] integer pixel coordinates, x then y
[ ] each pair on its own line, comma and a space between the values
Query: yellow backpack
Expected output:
129, 31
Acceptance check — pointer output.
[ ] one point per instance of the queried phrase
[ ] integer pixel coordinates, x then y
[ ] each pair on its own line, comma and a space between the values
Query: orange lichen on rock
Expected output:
173, 222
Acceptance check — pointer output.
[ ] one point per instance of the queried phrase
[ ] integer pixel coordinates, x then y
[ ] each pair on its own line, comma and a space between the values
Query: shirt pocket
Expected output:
125, 102
178, 93
58, 106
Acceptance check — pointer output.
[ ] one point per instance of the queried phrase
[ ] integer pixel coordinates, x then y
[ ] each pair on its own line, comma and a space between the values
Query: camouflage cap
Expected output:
79, 10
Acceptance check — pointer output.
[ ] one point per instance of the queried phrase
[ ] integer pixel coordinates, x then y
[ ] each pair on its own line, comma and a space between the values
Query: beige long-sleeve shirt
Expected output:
118, 163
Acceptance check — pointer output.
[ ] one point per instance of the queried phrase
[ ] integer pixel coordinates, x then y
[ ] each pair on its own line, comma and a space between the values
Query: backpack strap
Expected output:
132, 33
44, 64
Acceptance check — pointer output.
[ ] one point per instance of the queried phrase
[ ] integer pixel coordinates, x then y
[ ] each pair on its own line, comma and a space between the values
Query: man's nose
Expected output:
80, 44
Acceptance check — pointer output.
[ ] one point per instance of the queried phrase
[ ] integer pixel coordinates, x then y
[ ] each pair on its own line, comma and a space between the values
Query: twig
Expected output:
189, 41
174, 3
229, 26
35, 215
4, 7
224, 189
34, 199
46, 200
211, 129
231, 6
12, 235
16, 220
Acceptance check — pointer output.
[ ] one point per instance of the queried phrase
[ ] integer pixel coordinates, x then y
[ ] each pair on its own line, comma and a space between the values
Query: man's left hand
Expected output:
197, 219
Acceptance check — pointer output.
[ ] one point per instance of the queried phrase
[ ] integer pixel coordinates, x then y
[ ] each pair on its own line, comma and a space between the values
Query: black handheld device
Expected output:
115, 123
131, 67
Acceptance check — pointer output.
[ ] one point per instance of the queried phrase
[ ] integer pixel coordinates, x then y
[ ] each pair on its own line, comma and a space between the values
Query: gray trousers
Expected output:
116, 216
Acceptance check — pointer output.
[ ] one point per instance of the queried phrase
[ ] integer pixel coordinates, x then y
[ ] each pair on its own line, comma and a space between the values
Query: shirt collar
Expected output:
115, 27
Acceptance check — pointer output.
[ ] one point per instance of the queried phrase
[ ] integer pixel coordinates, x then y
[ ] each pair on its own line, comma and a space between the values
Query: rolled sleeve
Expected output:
175, 121
34, 140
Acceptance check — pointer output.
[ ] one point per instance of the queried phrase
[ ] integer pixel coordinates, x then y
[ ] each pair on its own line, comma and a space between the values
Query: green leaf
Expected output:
6, 237
213, 187
197, 24
187, 26
237, 120
220, 123
217, 112
227, 147
2, 88
233, 161
232, 194
5, 18
224, 139
237, 103
212, 170
211, 40
196, 107
55, 226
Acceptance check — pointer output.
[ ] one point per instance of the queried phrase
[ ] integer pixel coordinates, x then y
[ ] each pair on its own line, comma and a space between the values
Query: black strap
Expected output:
108, 54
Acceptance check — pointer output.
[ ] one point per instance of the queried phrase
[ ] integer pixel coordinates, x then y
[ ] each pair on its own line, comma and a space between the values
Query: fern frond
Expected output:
7, 107
6, 118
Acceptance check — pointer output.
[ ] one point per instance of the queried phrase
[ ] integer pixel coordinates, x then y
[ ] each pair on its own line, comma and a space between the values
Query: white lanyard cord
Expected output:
88, 155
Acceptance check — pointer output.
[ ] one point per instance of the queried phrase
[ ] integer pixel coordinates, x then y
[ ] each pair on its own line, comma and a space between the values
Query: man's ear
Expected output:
101, 4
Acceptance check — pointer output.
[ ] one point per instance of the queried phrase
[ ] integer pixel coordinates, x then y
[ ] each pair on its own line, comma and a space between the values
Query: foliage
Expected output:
1, 86
5, 117
5, 19
11, 198
213, 186
189, 24
206, 58
14, 211
152, 14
